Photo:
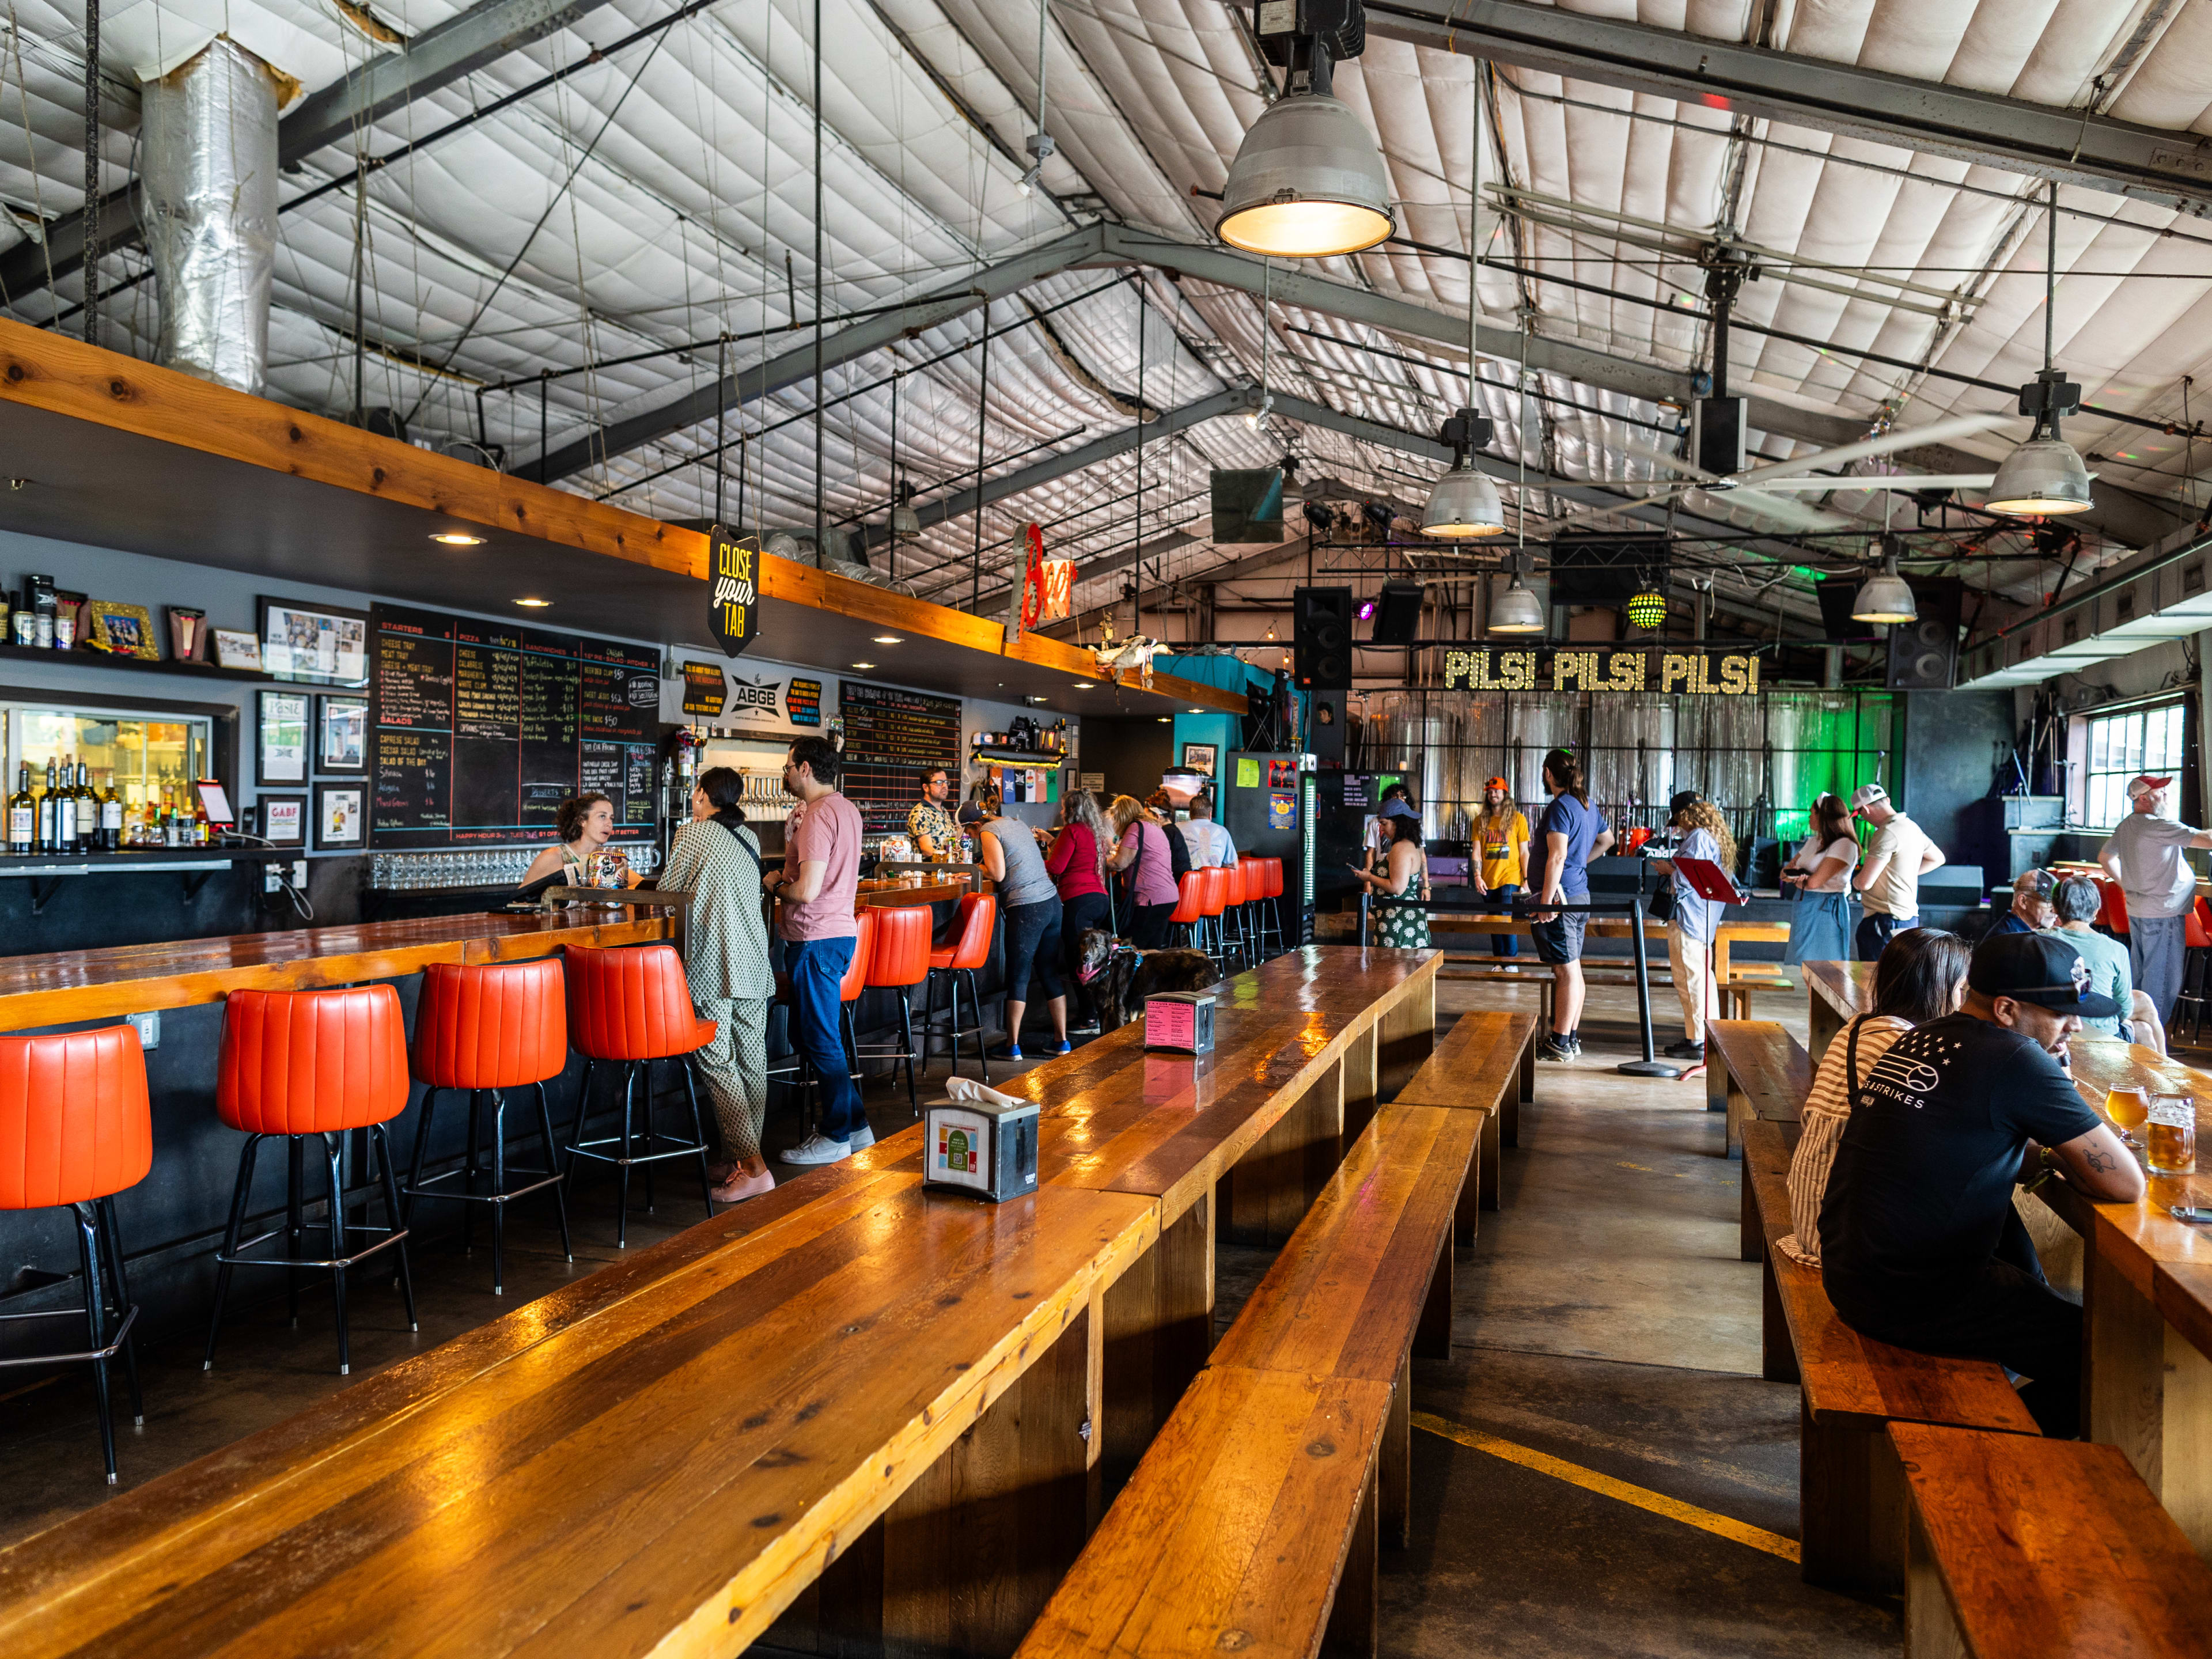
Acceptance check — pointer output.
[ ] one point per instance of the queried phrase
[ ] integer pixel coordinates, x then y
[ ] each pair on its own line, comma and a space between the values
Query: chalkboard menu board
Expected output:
887, 726
482, 729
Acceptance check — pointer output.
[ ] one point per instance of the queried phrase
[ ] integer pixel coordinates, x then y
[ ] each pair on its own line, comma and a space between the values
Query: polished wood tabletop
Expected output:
1847, 987
663, 1456
2139, 1235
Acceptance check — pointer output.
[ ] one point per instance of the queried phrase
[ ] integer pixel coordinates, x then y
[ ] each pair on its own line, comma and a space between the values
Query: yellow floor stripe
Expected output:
1574, 1474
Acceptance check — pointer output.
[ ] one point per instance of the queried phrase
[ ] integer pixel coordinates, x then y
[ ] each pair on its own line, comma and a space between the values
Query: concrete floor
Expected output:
1604, 1321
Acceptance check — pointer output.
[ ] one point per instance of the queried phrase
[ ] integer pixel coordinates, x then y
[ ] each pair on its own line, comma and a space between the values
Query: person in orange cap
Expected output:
1500, 834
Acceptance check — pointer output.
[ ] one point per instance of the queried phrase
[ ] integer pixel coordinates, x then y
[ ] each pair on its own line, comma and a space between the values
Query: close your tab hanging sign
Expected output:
732, 589
1640, 668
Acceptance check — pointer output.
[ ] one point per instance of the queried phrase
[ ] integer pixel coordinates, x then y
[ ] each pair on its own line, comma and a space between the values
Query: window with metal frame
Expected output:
2120, 746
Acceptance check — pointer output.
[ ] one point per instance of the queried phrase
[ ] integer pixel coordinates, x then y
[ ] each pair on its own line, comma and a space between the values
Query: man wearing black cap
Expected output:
1920, 1245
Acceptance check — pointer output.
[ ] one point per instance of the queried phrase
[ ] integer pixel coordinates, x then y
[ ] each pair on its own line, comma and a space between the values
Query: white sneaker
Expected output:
818, 1149
861, 1139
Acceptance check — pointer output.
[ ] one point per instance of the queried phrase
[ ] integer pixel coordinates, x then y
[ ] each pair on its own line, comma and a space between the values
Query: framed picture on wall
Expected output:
283, 819
1199, 758
341, 815
341, 734
325, 644
280, 748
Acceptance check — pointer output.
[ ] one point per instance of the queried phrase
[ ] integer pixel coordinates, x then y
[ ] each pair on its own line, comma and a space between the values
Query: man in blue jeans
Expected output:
819, 887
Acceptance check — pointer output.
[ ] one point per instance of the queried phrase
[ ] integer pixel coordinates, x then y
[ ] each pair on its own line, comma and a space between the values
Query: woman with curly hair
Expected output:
1690, 936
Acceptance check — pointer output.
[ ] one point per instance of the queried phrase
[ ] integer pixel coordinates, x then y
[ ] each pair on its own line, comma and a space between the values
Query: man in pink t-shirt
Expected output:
819, 887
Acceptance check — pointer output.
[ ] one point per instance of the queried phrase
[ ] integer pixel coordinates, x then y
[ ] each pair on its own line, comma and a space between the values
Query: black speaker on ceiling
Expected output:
1321, 646
1835, 594
1924, 654
1398, 614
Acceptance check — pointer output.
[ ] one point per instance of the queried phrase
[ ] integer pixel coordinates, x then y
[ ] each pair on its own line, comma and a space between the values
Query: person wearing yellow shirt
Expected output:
1501, 854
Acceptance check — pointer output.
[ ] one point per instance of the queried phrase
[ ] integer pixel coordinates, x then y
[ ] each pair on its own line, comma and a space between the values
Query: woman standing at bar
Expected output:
1820, 869
1031, 904
1076, 860
1141, 850
716, 859
1402, 889
585, 823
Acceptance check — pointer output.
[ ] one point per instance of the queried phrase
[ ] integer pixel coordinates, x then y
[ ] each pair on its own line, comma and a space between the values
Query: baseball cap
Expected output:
2145, 784
2033, 968
1398, 809
1498, 783
1681, 799
1866, 795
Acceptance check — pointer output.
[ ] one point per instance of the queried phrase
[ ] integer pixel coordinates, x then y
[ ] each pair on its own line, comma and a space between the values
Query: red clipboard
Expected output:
1709, 881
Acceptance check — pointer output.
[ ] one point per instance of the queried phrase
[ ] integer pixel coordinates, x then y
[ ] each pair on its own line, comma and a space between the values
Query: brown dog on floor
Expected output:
1120, 976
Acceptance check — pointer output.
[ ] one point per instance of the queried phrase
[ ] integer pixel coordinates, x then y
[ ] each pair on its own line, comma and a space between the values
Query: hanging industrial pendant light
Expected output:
1464, 503
1309, 180
2045, 476
1516, 610
1885, 597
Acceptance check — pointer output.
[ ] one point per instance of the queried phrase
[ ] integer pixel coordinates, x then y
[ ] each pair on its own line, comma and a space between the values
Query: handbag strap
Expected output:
743, 846
1851, 1066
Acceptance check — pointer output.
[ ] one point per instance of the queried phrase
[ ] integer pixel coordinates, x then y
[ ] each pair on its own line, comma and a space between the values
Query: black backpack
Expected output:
1178, 855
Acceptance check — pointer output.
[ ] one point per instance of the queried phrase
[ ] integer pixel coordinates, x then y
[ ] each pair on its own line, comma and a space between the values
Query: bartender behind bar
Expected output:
929, 823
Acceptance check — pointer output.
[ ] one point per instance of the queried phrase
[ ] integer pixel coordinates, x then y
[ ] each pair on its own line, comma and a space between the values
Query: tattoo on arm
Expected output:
2099, 1161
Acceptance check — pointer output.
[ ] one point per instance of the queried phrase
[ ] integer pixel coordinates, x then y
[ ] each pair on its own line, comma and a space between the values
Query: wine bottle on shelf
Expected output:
87, 811
64, 839
111, 819
22, 815
46, 825
202, 831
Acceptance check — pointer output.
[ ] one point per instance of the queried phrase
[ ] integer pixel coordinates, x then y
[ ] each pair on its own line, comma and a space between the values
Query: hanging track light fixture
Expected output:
1516, 610
2044, 475
1309, 179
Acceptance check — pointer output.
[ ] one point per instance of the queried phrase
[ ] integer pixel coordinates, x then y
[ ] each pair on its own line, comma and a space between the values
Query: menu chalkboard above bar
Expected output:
888, 726
482, 729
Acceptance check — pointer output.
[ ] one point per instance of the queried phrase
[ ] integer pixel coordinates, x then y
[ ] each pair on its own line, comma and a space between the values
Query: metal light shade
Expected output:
1307, 182
906, 523
1464, 504
1517, 612
2043, 476
1884, 598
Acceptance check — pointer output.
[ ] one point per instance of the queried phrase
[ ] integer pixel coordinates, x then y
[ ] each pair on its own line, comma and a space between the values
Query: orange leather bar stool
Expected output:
629, 1008
1240, 876
489, 1029
1268, 920
300, 1063
75, 1130
1212, 903
1189, 913
973, 925
899, 963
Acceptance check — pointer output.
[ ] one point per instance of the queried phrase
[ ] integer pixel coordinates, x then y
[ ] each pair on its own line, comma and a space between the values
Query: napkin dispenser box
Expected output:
984, 1150
1180, 1022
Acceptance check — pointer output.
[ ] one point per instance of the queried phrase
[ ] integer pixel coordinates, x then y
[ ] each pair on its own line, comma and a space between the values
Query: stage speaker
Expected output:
1320, 649
1717, 427
1924, 654
1398, 614
1325, 730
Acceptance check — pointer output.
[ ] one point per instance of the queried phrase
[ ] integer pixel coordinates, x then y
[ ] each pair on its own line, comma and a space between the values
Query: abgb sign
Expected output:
732, 589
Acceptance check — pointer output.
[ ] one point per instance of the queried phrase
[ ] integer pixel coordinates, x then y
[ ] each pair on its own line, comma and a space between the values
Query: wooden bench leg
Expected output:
1752, 1242
2149, 1393
1931, 1631
1528, 1087
1466, 1214
1778, 1359
1407, 1031
1488, 1160
1433, 1337
1853, 1502
1272, 1186
1354, 1624
1159, 1319
1716, 1078
1362, 1094
1393, 1481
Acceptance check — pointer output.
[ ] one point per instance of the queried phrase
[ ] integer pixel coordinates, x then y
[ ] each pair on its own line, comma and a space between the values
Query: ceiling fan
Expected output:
1765, 492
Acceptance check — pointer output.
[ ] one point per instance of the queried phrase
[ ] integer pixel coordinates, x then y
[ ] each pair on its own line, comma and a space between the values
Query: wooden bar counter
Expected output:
908, 1396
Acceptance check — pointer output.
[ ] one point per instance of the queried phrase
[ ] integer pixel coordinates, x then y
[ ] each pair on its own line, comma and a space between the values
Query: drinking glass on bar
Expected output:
2128, 1108
2170, 1148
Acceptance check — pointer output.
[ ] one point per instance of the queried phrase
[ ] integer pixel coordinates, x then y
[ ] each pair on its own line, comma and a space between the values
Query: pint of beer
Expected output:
2170, 1147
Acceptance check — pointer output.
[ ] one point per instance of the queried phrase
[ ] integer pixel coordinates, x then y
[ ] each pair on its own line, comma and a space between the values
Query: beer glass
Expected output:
2170, 1146
2128, 1108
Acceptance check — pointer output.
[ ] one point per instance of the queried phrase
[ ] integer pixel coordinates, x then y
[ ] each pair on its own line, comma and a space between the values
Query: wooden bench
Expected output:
1253, 1524
1754, 1068
1487, 1064
1735, 981
1850, 1490
2022, 1548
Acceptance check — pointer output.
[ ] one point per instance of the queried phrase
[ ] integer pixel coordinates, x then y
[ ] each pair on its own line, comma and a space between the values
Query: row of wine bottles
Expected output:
72, 814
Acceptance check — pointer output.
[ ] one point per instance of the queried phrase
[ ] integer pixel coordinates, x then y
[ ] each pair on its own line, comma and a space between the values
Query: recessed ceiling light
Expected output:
1167, 720
864, 664
889, 638
458, 539
1193, 711
1086, 685
534, 605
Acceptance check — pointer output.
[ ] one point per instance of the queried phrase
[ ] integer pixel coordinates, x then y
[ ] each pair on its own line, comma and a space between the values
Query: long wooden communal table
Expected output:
60, 987
905, 1395
1835, 992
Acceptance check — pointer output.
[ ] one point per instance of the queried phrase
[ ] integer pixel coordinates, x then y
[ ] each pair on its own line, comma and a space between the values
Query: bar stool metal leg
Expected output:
583, 1110
112, 1230
226, 1257
698, 1136
296, 1221
622, 1212
333, 1146
650, 1207
381, 1144
422, 1147
499, 1190
552, 1168
95, 1319
906, 1023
